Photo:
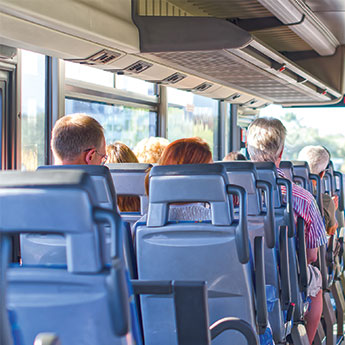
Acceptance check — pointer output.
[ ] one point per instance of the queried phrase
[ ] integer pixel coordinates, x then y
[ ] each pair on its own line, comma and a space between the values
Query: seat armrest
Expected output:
260, 284
302, 256
284, 267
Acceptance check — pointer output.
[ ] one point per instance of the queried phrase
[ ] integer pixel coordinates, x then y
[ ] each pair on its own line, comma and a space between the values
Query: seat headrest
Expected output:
99, 170
45, 179
244, 174
239, 165
129, 178
101, 178
267, 171
301, 164
128, 166
188, 183
330, 168
286, 165
265, 166
188, 169
53, 201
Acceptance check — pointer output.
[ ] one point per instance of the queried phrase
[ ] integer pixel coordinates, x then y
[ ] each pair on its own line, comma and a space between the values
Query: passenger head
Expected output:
149, 150
317, 158
234, 156
184, 151
78, 139
120, 153
265, 140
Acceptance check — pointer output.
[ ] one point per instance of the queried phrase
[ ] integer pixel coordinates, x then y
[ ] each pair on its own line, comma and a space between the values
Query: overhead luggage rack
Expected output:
227, 55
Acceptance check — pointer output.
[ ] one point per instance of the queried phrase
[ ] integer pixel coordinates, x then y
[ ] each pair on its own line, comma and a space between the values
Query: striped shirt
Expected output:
305, 206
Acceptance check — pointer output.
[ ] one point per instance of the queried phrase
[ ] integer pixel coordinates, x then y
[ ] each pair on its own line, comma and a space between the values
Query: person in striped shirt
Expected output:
265, 143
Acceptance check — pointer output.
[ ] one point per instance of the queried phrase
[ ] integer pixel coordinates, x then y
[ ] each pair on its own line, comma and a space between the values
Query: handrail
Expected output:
242, 238
269, 222
289, 209
341, 206
302, 256
317, 179
234, 323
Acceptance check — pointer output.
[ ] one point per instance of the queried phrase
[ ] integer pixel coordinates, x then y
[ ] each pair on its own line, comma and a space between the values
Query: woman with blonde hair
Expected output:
149, 150
121, 153
186, 151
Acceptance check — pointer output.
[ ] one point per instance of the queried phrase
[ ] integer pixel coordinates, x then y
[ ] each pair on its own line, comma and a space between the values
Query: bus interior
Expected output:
76, 270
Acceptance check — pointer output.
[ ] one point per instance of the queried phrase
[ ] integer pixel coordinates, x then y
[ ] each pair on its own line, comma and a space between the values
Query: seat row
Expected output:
250, 233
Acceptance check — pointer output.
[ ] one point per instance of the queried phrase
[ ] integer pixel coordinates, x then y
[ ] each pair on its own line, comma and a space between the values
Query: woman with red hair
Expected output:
186, 151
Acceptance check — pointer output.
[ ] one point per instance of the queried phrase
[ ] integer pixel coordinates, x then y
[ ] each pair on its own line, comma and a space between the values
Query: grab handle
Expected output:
242, 240
236, 324
302, 256
289, 209
269, 222
339, 175
317, 179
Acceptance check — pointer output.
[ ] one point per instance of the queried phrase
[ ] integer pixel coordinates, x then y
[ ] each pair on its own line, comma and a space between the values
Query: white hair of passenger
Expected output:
265, 140
316, 156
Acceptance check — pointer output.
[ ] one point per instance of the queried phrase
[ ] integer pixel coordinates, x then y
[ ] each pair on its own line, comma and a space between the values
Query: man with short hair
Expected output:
318, 158
78, 139
266, 137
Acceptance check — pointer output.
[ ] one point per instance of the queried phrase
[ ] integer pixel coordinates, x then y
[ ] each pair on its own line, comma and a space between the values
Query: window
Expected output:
192, 115
312, 126
89, 74
33, 110
135, 85
123, 123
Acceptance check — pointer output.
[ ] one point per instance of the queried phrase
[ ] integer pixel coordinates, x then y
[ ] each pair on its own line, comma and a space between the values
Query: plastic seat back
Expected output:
84, 302
301, 169
214, 251
5, 329
287, 168
261, 222
284, 217
129, 179
105, 193
52, 248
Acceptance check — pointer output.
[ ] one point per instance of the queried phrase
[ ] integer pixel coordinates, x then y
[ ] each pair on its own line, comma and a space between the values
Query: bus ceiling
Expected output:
251, 52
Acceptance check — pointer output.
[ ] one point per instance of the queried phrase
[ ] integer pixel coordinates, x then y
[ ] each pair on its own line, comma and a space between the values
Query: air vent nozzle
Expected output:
103, 57
138, 67
202, 87
234, 96
174, 78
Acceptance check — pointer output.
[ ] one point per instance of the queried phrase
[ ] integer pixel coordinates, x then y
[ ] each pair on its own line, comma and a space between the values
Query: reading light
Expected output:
310, 29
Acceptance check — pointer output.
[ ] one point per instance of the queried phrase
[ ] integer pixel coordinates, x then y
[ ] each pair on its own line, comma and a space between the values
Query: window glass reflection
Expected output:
123, 123
88, 74
191, 115
33, 110
135, 85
